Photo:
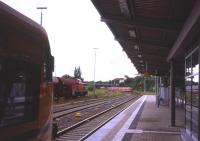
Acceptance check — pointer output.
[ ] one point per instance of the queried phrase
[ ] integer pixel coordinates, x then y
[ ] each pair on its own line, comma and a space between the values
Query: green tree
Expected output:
137, 83
77, 73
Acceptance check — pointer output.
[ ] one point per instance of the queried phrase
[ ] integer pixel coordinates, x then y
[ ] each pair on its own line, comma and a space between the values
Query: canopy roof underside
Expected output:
146, 29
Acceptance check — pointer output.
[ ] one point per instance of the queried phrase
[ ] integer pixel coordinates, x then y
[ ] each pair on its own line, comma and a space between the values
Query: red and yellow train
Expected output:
68, 86
26, 90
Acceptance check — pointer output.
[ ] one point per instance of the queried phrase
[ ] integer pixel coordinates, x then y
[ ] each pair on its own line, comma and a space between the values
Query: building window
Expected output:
192, 94
188, 66
188, 104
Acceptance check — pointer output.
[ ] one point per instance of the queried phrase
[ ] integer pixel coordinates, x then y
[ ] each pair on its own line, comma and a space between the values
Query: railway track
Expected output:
74, 104
81, 130
69, 119
65, 109
63, 112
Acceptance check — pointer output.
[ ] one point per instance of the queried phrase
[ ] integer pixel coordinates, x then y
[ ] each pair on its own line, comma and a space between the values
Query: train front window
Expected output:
19, 92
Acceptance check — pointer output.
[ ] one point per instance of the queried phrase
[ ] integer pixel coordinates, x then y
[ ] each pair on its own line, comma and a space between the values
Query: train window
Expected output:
48, 66
19, 92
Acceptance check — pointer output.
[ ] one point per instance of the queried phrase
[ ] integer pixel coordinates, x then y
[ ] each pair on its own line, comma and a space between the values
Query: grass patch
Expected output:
104, 93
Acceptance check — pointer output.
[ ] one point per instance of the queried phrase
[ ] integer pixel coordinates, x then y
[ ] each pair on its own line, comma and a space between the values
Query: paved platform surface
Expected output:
142, 121
155, 123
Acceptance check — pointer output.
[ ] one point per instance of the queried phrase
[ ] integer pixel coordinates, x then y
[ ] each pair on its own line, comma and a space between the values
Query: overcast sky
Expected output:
74, 29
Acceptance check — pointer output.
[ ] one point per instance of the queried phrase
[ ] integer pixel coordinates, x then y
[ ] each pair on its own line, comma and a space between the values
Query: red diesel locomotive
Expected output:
67, 86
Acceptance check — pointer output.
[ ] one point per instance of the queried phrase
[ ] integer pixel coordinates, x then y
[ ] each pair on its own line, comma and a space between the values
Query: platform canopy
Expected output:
146, 29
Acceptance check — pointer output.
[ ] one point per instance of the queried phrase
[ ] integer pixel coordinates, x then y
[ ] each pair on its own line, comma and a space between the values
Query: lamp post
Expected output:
94, 88
41, 8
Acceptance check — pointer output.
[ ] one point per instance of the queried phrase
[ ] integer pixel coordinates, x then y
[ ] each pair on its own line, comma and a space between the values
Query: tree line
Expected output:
137, 83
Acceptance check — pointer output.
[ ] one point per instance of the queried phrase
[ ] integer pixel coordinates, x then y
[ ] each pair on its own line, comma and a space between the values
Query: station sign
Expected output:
146, 74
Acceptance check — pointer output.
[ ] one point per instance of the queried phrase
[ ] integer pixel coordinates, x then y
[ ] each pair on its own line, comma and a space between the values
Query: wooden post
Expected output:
172, 93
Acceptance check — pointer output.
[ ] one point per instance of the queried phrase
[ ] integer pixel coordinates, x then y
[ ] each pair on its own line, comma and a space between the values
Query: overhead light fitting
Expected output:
132, 33
136, 47
124, 7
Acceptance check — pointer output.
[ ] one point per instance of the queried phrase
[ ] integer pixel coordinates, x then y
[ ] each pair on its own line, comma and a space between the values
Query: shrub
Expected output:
90, 88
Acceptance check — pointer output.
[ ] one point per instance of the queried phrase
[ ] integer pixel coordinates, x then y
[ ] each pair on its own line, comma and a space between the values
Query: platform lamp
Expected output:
94, 88
41, 8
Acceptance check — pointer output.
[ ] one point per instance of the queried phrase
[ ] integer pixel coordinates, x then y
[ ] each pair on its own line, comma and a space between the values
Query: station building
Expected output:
161, 37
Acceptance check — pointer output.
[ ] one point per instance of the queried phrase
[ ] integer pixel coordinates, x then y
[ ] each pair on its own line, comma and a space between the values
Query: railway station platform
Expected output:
142, 121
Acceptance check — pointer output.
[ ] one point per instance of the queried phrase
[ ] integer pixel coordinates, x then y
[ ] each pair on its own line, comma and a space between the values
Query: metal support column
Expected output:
155, 78
172, 93
144, 84
159, 84
157, 90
